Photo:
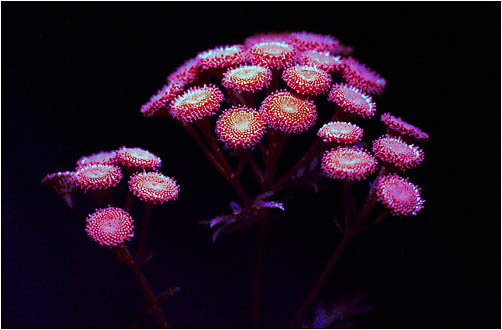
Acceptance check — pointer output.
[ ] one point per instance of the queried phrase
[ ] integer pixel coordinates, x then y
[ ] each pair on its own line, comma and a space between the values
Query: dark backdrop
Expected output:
73, 79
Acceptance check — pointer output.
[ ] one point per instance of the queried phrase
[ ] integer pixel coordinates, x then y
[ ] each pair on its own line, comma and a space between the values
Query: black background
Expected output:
73, 79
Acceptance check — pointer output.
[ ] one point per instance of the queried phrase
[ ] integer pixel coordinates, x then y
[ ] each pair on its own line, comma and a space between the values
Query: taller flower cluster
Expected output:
272, 84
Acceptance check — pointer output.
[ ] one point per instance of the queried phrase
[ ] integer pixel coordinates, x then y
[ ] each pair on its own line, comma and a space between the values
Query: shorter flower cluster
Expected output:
96, 174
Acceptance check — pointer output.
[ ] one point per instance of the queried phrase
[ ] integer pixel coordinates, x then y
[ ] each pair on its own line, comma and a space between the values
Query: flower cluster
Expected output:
269, 87
247, 101
96, 174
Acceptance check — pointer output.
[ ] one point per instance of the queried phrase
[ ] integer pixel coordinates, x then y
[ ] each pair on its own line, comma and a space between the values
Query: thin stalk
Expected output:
381, 218
241, 165
140, 253
128, 202
259, 269
241, 100
277, 140
313, 151
123, 254
371, 201
247, 156
193, 133
321, 281
347, 203
229, 174
276, 144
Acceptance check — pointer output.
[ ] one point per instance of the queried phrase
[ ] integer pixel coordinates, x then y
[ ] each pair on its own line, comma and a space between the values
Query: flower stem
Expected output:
140, 253
247, 156
347, 202
321, 281
193, 133
313, 151
128, 202
371, 201
123, 254
229, 174
259, 268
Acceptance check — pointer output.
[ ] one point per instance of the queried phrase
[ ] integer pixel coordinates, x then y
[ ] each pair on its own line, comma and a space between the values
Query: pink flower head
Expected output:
323, 60
395, 152
97, 176
361, 77
265, 37
110, 226
222, 57
402, 128
153, 187
305, 41
240, 127
103, 157
196, 103
161, 100
352, 100
250, 78
287, 113
137, 158
61, 182
340, 132
348, 164
307, 80
272, 54
186, 73
399, 195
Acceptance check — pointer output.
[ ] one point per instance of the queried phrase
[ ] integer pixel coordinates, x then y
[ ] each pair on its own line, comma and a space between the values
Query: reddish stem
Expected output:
371, 200
128, 202
193, 133
122, 253
313, 151
140, 253
247, 156
321, 281
259, 269
229, 174
347, 203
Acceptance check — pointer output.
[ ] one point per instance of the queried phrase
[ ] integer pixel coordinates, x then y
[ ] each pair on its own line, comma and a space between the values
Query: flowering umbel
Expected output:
252, 97
246, 105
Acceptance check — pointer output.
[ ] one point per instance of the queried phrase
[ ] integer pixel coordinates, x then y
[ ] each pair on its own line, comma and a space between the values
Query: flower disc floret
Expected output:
265, 37
250, 78
97, 176
399, 195
323, 60
305, 41
110, 226
348, 164
222, 57
186, 73
340, 132
61, 182
397, 153
196, 103
137, 158
240, 127
161, 100
103, 157
287, 113
307, 80
363, 78
352, 100
272, 54
404, 129
153, 187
